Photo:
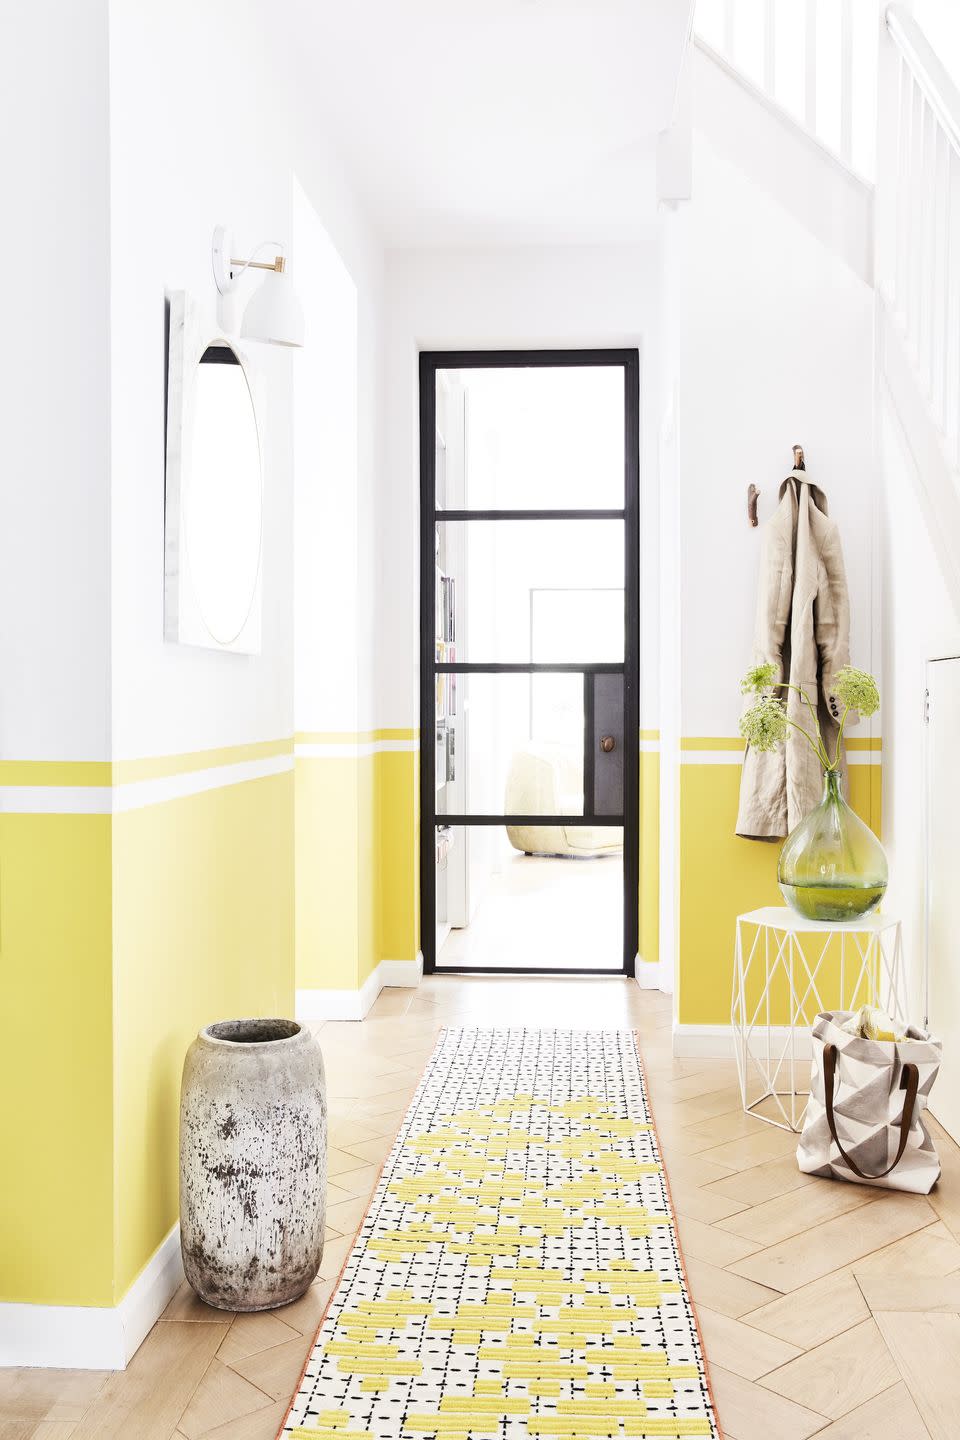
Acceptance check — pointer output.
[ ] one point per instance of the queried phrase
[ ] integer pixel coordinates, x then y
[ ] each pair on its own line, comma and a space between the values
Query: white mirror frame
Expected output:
183, 622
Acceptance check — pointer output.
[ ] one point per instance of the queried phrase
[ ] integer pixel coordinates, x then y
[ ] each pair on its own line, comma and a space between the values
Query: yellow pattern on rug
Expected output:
517, 1275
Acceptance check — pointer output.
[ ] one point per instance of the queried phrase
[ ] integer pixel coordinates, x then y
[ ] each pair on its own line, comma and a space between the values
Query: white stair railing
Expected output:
817, 59
918, 215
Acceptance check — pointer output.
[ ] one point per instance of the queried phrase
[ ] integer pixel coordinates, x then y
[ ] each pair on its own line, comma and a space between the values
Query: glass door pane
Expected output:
501, 909
510, 744
534, 438
530, 590
576, 621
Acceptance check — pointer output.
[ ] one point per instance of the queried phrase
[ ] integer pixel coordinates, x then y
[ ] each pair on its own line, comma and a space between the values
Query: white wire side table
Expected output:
786, 971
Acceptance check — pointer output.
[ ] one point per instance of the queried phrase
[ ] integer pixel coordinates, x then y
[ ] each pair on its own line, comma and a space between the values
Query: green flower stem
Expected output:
817, 749
843, 721
788, 685
817, 745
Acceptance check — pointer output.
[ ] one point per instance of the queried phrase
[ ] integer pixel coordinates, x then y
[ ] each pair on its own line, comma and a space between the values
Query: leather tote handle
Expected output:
909, 1081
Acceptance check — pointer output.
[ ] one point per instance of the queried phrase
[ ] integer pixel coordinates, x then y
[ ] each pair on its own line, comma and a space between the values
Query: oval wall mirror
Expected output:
223, 499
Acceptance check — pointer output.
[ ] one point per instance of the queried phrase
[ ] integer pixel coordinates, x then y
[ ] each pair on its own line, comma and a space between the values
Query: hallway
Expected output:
801, 1285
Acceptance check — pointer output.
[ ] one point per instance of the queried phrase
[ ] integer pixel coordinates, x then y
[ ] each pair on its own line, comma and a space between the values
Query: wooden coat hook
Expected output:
753, 494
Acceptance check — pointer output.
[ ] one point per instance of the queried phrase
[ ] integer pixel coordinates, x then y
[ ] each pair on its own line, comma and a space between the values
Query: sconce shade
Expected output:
273, 313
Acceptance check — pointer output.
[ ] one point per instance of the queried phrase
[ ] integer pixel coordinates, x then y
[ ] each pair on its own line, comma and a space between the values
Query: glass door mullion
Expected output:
442, 517
588, 743
528, 667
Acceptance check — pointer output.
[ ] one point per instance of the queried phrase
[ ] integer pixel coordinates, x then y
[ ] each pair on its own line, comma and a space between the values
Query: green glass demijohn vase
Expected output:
832, 866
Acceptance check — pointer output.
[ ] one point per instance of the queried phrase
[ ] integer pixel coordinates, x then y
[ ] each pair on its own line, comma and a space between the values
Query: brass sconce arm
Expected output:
279, 263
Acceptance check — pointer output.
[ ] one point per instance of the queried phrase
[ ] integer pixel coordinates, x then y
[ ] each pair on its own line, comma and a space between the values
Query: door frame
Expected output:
430, 362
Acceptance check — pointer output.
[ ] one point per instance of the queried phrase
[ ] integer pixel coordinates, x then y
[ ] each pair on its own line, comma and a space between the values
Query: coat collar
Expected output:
802, 478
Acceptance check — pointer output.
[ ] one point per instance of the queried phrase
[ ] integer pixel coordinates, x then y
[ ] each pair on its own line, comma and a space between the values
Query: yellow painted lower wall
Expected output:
649, 856
398, 860
723, 876
56, 1060
203, 930
328, 885
120, 936
356, 866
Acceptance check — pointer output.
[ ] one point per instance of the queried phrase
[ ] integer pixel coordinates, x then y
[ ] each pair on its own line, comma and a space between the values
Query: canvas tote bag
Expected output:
864, 1120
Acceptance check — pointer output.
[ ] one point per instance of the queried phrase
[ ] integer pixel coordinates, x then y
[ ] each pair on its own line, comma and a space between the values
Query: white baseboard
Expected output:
406, 974
355, 1004
339, 1004
93, 1337
716, 1042
647, 973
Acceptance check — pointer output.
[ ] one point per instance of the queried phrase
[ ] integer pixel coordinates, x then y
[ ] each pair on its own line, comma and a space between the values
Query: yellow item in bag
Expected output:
871, 1023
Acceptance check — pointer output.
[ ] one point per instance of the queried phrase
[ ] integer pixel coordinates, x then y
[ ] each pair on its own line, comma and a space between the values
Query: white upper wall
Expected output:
511, 299
206, 130
179, 167
55, 383
775, 349
921, 621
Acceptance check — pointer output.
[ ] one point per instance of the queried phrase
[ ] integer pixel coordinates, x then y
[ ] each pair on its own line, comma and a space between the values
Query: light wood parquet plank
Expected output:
706, 1242
36, 1395
748, 1412
910, 1291
838, 1375
148, 1398
251, 1333
774, 1220
793, 1263
930, 1251
740, 1348
221, 1396
812, 1314
260, 1425
926, 1348
277, 1370
721, 1290
891, 1415
761, 1182
701, 1203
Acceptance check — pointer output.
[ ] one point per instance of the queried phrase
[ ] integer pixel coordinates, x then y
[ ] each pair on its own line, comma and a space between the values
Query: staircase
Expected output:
842, 110
917, 232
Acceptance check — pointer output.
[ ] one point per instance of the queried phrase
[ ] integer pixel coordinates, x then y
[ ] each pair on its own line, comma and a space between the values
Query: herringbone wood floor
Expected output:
827, 1309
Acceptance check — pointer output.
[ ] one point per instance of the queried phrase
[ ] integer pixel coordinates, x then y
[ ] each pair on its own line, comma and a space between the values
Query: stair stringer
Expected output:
765, 142
936, 481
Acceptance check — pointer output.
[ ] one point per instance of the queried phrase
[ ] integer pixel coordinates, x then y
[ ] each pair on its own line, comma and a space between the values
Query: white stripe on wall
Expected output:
133, 794
735, 757
136, 794
56, 799
349, 749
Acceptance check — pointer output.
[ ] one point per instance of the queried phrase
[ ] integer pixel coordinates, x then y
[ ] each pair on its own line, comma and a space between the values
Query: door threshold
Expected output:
527, 970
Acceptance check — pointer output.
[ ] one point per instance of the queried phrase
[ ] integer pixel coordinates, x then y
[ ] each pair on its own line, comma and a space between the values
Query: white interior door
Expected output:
943, 854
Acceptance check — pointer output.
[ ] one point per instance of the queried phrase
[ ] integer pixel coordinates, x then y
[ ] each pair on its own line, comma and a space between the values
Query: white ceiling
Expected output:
495, 121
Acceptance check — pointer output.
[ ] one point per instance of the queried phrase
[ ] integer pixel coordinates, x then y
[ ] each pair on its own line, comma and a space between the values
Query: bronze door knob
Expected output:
607, 744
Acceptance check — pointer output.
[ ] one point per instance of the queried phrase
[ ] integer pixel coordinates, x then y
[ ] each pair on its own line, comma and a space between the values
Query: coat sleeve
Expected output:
831, 621
762, 813
774, 597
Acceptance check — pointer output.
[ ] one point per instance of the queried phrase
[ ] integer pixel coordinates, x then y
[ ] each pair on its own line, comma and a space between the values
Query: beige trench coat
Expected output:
803, 627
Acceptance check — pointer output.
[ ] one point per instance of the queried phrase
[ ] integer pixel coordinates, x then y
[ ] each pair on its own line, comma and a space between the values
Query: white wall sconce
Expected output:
273, 313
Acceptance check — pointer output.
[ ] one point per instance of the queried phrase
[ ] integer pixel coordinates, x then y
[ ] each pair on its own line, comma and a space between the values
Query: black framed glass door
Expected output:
529, 674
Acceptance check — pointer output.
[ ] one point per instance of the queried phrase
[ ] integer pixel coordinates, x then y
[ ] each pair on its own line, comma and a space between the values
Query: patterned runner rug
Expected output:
517, 1274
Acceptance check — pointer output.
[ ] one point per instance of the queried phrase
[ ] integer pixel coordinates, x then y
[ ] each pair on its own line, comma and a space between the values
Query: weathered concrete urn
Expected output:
253, 1163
